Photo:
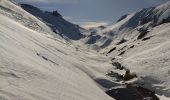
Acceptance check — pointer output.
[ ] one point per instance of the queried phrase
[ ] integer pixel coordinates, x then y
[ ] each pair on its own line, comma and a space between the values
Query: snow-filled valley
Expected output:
39, 60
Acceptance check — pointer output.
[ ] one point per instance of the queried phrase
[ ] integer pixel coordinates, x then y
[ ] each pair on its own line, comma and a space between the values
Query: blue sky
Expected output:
93, 12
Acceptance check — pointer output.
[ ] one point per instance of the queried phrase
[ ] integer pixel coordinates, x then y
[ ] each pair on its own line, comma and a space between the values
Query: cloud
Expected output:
155, 1
88, 25
48, 1
69, 18
85, 23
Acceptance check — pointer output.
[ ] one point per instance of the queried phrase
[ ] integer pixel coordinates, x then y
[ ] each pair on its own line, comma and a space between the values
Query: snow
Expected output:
144, 18
56, 22
15, 12
163, 97
149, 58
37, 66
153, 61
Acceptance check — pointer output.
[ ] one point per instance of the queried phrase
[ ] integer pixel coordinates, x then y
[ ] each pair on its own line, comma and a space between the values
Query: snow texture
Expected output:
37, 66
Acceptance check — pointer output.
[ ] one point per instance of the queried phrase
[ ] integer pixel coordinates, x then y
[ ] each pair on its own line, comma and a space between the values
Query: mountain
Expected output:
140, 42
35, 65
144, 19
56, 22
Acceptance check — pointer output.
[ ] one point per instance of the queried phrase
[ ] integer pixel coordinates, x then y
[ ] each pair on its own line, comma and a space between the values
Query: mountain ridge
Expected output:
146, 18
57, 23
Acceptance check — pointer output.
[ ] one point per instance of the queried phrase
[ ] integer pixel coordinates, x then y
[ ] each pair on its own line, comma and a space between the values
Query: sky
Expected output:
92, 13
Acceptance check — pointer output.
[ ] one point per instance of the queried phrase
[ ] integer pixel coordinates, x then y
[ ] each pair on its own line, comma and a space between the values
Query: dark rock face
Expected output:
55, 13
121, 41
132, 93
147, 38
132, 46
123, 17
93, 39
141, 35
143, 32
128, 75
118, 65
122, 53
29, 7
111, 50
56, 22
167, 20
106, 43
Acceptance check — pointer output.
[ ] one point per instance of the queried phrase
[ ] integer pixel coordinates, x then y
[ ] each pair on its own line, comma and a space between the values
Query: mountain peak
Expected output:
56, 22
55, 13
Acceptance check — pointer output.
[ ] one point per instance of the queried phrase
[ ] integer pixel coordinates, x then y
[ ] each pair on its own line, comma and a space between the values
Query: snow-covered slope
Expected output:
141, 44
149, 16
15, 12
127, 24
36, 66
148, 57
56, 22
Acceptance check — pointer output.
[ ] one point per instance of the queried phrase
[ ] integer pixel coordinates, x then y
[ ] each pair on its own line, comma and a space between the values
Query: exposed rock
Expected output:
112, 50
131, 92
55, 13
121, 41
143, 32
132, 46
118, 65
115, 75
147, 38
128, 75
123, 17
121, 53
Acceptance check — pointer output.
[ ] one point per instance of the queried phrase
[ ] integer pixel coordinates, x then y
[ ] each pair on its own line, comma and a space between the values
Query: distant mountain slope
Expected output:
152, 16
144, 19
149, 17
56, 22
141, 43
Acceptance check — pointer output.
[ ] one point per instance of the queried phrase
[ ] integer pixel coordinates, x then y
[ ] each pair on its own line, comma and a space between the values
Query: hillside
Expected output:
127, 60
56, 22
126, 26
141, 43
35, 66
